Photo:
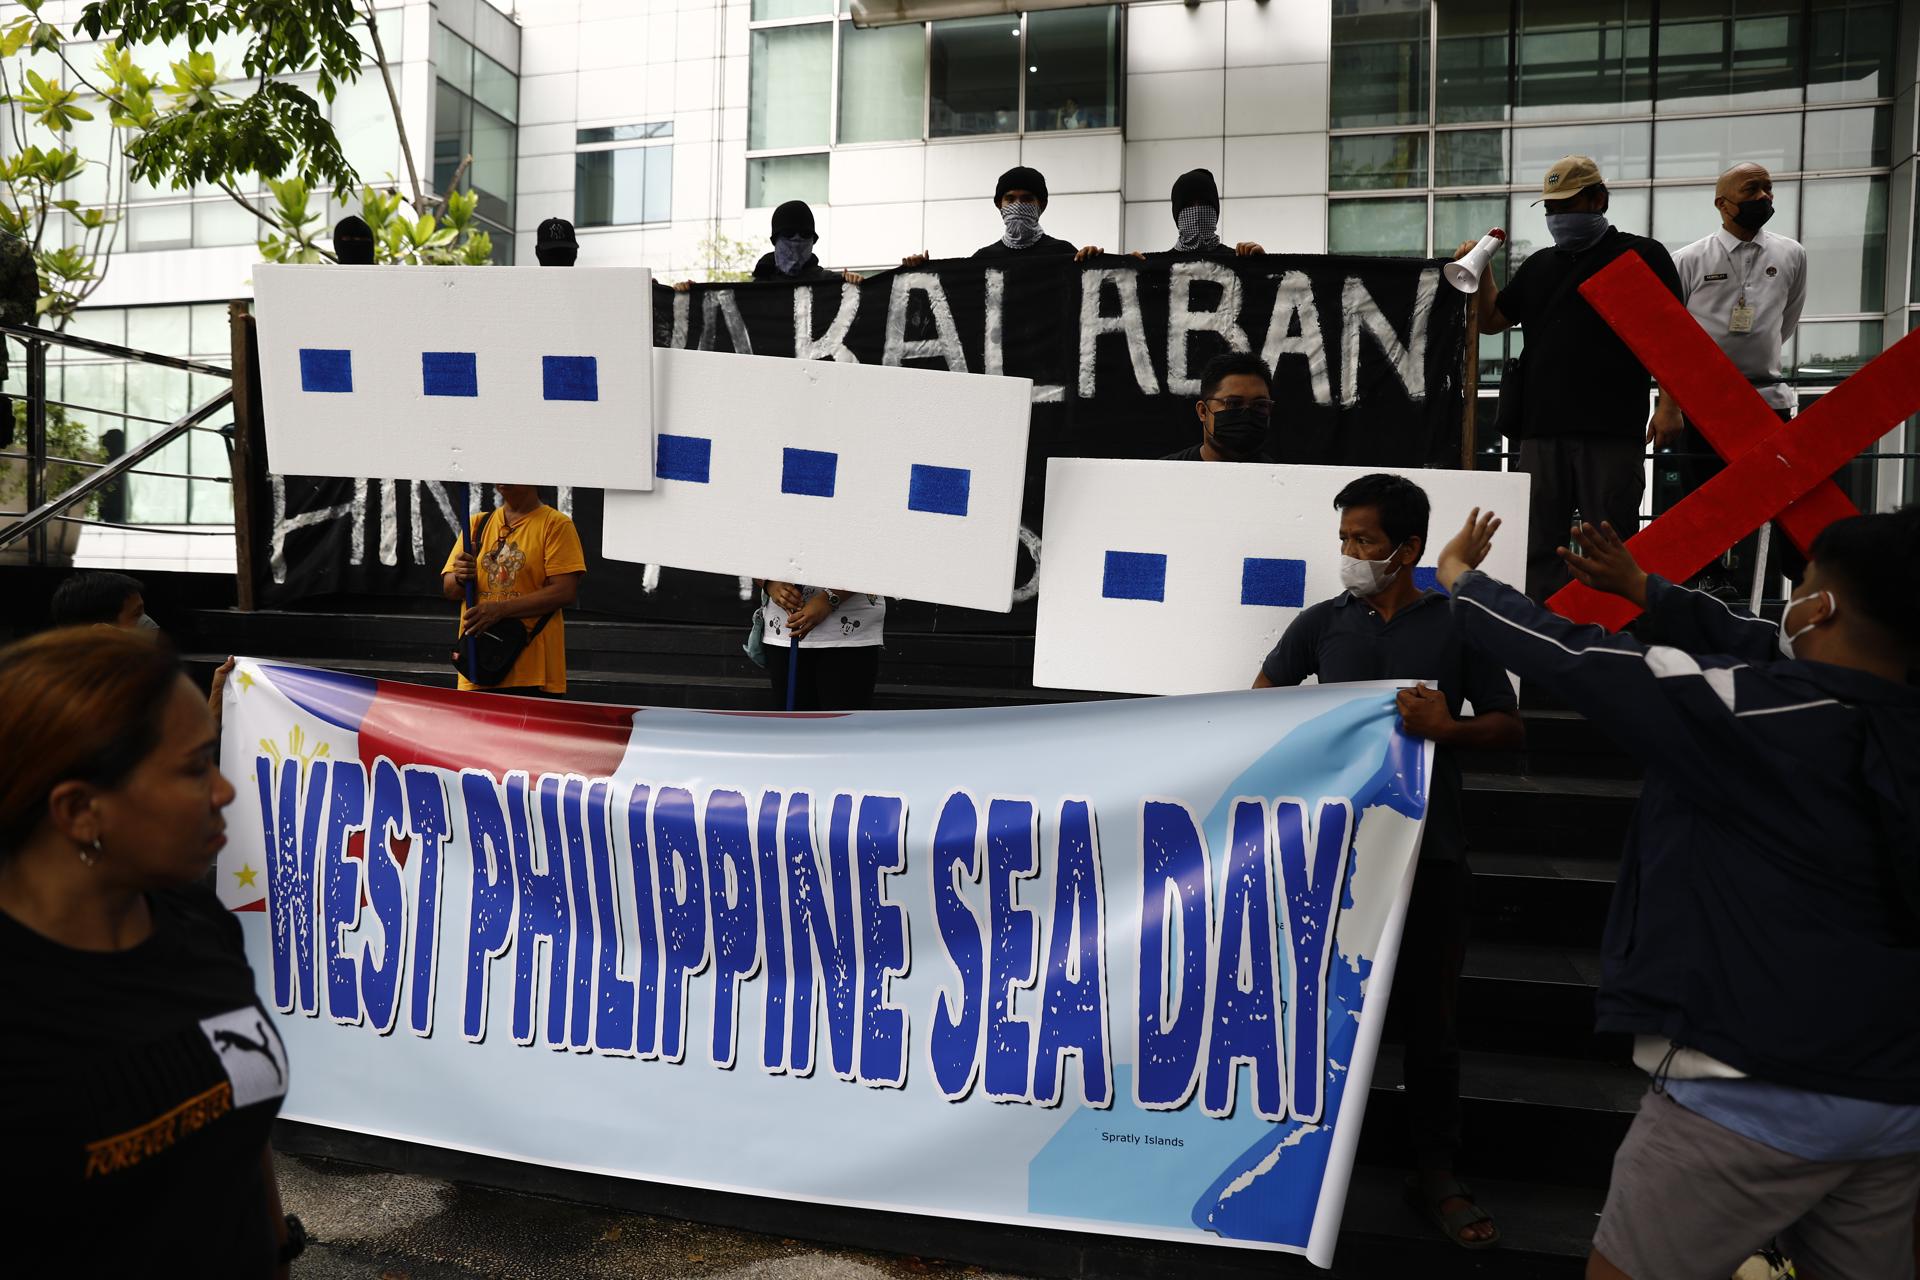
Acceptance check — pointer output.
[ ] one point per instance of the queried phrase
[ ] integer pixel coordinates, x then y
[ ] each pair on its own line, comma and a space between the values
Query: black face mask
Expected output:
1753, 214
1239, 432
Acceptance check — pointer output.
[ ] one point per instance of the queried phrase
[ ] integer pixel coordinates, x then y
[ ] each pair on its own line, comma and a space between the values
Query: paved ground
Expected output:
391, 1226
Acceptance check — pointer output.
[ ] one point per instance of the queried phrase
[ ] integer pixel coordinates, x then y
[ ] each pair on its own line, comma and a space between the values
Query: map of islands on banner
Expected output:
503, 376
1179, 577
1112, 966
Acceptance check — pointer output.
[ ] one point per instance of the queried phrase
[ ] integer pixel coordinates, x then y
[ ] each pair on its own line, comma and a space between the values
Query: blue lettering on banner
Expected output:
883, 932
732, 907
583, 965
427, 815
1279, 583
1244, 1025
682, 886
1012, 855
1135, 575
1073, 1002
292, 828
640, 859
380, 983
808, 472
773, 1054
491, 840
942, 491
821, 933
1176, 873
327, 369
449, 373
613, 992
688, 458
543, 923
1312, 893
955, 1042
569, 378
340, 895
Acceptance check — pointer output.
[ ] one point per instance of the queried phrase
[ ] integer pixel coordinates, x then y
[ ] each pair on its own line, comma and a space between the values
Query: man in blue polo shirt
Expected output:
1384, 627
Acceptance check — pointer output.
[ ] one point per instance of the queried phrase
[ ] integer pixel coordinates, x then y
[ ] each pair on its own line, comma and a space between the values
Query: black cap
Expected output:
1021, 178
554, 245
1193, 187
794, 215
353, 242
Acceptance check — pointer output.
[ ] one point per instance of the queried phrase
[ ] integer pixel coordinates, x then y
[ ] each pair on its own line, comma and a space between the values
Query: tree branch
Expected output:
246, 204
393, 100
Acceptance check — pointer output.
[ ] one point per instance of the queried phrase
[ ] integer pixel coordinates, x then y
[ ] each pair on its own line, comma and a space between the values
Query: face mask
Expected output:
1368, 578
1240, 433
790, 253
1023, 224
1753, 214
1576, 230
146, 624
1786, 638
1199, 226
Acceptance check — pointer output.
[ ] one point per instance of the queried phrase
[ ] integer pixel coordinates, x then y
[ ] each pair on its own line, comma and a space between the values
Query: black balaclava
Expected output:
353, 242
1196, 211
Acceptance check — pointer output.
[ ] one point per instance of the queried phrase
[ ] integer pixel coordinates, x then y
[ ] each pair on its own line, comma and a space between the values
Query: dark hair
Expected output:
81, 703
93, 596
1231, 364
1873, 559
1401, 504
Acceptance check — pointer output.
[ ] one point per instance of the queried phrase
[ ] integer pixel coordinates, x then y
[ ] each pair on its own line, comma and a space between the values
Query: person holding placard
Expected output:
1384, 627
529, 564
1196, 221
841, 633
1021, 197
1235, 409
792, 258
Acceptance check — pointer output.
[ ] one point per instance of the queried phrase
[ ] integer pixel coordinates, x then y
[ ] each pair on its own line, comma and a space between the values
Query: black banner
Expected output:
1366, 356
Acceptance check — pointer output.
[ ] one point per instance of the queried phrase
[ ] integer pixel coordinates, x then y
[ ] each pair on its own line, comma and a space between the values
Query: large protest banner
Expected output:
1020, 965
1367, 356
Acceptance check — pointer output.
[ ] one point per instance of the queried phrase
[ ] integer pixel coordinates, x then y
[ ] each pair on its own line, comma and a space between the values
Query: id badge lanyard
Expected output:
1742, 320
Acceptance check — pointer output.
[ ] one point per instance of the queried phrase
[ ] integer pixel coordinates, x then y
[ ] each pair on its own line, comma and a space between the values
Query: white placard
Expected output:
488, 375
1228, 532
899, 482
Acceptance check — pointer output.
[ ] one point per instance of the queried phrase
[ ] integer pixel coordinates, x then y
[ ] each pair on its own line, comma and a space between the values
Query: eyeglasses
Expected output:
1264, 408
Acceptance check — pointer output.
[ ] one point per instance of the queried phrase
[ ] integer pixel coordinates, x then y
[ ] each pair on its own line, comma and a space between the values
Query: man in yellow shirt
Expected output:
530, 564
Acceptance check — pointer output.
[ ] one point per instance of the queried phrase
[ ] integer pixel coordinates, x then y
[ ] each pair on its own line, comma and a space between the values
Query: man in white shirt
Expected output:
1746, 286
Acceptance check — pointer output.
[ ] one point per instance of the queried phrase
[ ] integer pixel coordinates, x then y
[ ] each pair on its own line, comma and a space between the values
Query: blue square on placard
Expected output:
1135, 575
1280, 583
326, 369
449, 373
808, 471
684, 458
941, 490
1428, 579
570, 377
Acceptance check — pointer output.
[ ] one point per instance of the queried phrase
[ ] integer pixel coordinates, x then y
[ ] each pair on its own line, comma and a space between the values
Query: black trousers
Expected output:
840, 678
1601, 477
1698, 462
1423, 1012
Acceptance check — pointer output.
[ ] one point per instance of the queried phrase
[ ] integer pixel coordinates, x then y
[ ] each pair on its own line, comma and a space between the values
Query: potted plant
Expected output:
65, 439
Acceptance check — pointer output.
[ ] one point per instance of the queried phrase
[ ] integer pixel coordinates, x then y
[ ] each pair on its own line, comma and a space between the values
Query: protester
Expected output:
1764, 941
530, 565
139, 1075
1237, 430
1577, 401
1746, 286
841, 633
793, 237
353, 242
1196, 220
1021, 197
96, 597
554, 244
1385, 627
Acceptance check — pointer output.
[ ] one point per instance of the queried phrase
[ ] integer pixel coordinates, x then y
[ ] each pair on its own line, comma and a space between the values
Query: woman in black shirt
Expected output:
139, 1074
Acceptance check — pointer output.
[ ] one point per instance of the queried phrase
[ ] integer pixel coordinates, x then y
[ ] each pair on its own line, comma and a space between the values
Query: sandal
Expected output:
1426, 1195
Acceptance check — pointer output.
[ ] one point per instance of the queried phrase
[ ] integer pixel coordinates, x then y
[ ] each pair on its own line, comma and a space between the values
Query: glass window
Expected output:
1682, 215
1621, 150
222, 222
1852, 51
495, 87
1835, 348
1391, 228
1378, 161
1461, 218
491, 174
774, 180
775, 10
1844, 228
615, 188
975, 77
453, 59
93, 140
791, 69
1584, 58
212, 331
1473, 59
1717, 54
162, 330
1469, 157
102, 324
1379, 73
363, 122
882, 82
1855, 138
625, 132
1073, 59
451, 129
1708, 148
160, 226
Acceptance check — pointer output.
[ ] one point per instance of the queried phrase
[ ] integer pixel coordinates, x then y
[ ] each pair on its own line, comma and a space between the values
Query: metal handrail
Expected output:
112, 471
28, 334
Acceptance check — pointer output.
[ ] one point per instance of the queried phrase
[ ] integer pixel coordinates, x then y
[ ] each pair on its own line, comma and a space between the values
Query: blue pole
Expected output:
793, 667
466, 544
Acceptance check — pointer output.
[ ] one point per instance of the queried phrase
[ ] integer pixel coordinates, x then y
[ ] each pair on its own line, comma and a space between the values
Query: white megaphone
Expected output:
1464, 275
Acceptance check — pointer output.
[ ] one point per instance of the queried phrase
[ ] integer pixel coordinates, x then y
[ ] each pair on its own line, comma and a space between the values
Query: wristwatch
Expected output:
834, 600
296, 1242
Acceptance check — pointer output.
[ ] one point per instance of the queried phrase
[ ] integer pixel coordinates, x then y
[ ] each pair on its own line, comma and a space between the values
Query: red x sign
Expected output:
1775, 470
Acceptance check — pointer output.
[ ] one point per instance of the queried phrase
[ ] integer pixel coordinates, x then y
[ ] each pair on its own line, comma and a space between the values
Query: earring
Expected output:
90, 854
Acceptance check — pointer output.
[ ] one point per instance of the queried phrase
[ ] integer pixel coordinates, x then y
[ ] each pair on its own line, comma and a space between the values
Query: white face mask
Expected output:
1368, 578
1786, 638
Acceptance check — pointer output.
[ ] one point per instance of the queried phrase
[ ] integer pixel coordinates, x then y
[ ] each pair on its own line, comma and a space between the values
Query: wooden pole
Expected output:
246, 444
1470, 380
